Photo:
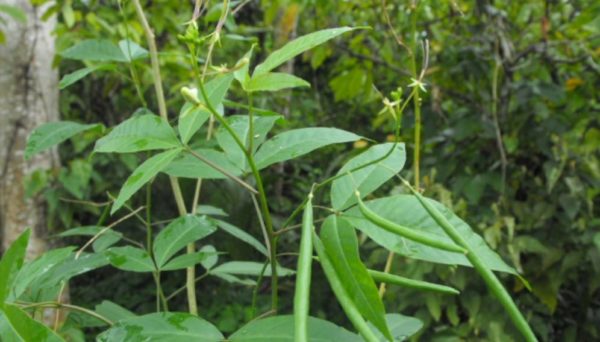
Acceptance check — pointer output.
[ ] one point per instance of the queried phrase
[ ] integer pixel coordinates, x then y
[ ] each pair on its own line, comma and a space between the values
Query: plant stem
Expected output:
162, 110
261, 195
66, 306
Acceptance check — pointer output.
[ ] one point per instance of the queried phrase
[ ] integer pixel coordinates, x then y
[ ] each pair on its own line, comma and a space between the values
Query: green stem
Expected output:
162, 109
417, 100
261, 194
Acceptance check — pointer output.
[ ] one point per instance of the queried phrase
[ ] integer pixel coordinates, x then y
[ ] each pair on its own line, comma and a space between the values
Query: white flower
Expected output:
417, 83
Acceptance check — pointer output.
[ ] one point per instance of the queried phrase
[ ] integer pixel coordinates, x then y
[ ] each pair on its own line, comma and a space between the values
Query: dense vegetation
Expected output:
491, 105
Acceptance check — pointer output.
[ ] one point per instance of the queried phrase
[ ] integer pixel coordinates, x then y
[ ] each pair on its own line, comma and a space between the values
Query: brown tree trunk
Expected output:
28, 98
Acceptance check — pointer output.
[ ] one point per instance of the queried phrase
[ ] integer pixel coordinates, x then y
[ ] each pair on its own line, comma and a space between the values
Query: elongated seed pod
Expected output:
488, 276
405, 232
340, 293
411, 283
302, 294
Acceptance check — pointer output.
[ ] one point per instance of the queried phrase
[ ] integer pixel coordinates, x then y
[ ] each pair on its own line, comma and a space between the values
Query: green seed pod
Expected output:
405, 232
411, 283
302, 294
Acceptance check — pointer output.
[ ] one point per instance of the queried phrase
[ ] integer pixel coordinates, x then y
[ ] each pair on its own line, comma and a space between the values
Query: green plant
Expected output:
237, 149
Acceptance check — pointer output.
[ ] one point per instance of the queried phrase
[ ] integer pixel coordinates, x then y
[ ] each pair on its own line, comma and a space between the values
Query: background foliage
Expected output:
511, 134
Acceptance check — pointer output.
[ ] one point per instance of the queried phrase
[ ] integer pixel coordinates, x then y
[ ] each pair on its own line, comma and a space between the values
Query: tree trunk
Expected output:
28, 98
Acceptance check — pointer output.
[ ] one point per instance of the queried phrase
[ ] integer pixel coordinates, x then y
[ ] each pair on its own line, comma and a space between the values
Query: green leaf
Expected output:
139, 133
107, 239
26, 328
401, 327
101, 50
297, 142
76, 75
132, 51
341, 245
180, 232
240, 125
188, 166
113, 311
368, 179
143, 174
69, 268
172, 327
212, 256
193, 116
296, 47
34, 270
250, 268
407, 211
241, 235
274, 81
281, 329
11, 262
130, 258
184, 261
241, 68
210, 210
15, 12
52, 133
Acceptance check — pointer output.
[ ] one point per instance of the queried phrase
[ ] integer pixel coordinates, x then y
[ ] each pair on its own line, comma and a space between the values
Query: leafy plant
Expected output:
236, 151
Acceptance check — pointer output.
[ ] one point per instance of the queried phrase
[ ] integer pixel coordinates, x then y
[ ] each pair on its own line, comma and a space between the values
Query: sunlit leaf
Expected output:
193, 116
341, 244
281, 329
407, 211
172, 327
274, 81
142, 174
139, 133
297, 142
26, 328
296, 47
11, 262
52, 133
130, 258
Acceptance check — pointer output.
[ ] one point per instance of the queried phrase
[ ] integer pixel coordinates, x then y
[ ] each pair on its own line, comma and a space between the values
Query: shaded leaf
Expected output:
211, 258
76, 75
368, 179
178, 234
240, 125
185, 260
297, 142
113, 311
243, 236
188, 166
